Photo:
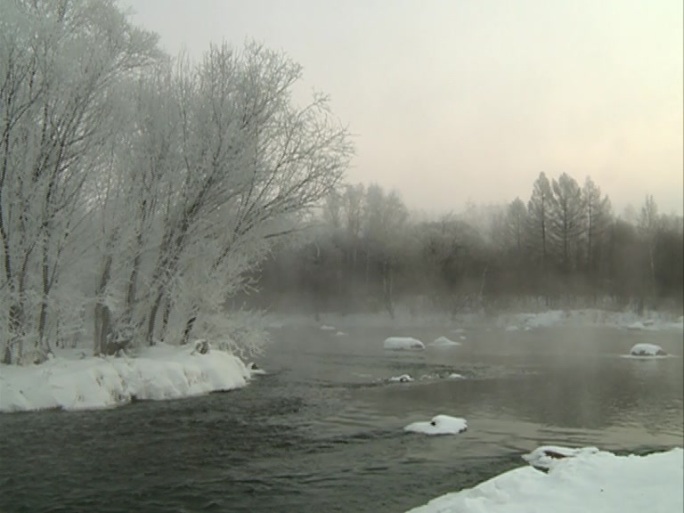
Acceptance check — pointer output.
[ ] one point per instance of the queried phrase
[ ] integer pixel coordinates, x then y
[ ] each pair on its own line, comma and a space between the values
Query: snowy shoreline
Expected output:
159, 373
590, 481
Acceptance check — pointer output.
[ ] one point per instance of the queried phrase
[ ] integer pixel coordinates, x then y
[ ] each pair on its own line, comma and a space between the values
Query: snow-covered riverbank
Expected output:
590, 481
72, 382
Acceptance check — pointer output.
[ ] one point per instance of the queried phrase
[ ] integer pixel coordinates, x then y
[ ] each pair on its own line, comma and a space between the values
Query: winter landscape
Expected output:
209, 302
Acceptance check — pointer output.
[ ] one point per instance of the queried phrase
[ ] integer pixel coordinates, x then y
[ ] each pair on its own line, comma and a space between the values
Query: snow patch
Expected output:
455, 375
589, 481
439, 425
162, 372
403, 343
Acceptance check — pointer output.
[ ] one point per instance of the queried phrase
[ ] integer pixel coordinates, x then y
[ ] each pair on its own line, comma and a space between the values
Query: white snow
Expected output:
404, 378
644, 349
589, 481
454, 375
161, 372
439, 425
444, 342
403, 343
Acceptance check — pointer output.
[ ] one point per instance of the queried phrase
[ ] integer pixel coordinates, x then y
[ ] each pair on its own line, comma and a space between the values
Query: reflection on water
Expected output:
323, 431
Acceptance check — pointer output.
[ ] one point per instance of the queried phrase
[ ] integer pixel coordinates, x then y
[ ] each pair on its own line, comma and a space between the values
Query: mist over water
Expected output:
323, 430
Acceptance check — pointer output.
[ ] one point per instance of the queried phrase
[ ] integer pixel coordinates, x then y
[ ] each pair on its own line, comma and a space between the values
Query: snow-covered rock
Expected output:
404, 378
439, 425
455, 375
590, 481
403, 343
444, 342
644, 349
255, 370
546, 456
161, 372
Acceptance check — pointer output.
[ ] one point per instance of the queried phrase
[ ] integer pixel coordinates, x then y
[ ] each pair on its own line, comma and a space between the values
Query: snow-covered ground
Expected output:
588, 480
160, 372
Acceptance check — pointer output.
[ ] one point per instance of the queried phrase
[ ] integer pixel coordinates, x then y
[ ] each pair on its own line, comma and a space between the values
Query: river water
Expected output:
323, 431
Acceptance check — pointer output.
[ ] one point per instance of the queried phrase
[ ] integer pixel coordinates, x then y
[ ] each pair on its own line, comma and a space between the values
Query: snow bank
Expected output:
403, 343
439, 425
444, 342
590, 481
162, 372
647, 350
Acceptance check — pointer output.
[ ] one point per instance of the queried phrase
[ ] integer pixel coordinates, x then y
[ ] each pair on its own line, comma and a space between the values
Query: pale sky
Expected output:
457, 100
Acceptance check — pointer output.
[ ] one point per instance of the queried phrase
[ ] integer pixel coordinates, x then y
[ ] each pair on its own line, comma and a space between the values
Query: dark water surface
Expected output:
323, 431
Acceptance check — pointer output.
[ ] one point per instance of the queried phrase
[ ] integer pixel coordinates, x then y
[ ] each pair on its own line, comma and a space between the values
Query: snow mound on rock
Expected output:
439, 425
403, 343
644, 349
444, 342
404, 378
546, 456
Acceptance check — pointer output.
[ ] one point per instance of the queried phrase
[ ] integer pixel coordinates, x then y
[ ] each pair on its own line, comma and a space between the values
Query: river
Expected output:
323, 430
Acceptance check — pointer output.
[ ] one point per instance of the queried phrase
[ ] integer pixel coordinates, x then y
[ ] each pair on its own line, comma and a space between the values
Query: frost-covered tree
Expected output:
515, 226
60, 62
539, 212
566, 225
384, 228
136, 195
597, 218
218, 164
648, 225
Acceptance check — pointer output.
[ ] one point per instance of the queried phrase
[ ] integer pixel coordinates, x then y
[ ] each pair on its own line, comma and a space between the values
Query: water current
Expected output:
323, 430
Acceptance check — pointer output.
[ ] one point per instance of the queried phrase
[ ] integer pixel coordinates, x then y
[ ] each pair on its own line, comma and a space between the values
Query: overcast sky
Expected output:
457, 100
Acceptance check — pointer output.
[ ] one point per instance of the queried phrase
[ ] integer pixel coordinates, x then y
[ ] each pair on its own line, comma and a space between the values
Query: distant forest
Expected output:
564, 247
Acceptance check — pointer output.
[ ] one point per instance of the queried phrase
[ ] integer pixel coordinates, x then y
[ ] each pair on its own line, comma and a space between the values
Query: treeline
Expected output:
562, 247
